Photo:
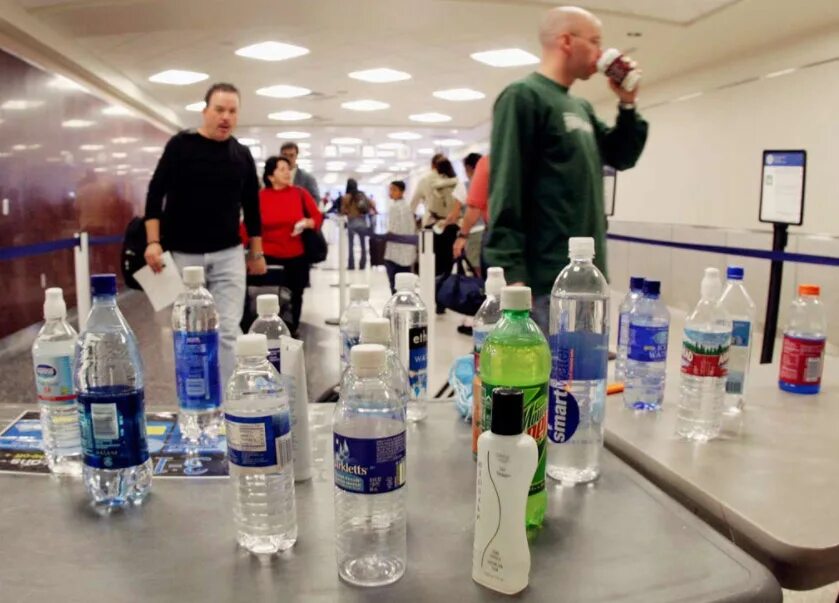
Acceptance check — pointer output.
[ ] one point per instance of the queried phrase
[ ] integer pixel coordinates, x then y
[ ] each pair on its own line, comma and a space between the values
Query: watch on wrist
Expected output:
257, 256
152, 243
626, 106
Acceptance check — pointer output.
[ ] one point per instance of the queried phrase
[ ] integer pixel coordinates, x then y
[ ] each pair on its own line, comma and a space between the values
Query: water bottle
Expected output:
579, 334
350, 324
377, 330
52, 354
646, 354
109, 384
488, 314
409, 328
197, 376
370, 467
636, 292
259, 451
741, 309
269, 323
705, 344
805, 336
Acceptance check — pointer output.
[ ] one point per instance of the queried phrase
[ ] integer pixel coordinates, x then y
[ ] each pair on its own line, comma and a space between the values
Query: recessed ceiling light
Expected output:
404, 136
117, 111
63, 83
425, 151
505, 57
178, 77
331, 178
459, 94
336, 165
293, 134
272, 51
365, 105
406, 164
124, 140
19, 147
151, 149
21, 105
290, 115
197, 107
346, 140
77, 123
391, 145
304, 145
385, 154
397, 168
32, 147
374, 161
430, 118
449, 142
283, 91
123, 166
248, 142
381, 75
100, 169
365, 169
119, 155
91, 147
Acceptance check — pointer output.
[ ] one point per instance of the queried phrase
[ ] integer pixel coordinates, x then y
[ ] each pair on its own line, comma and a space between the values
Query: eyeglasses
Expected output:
595, 41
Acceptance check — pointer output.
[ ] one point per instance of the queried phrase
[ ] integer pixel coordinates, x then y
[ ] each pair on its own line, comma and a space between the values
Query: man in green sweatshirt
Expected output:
548, 152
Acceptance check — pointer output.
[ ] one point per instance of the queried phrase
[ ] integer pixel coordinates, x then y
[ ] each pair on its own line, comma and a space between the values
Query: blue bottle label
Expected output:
54, 380
262, 442
418, 361
369, 465
738, 356
579, 356
647, 344
348, 342
274, 358
623, 328
113, 426
197, 370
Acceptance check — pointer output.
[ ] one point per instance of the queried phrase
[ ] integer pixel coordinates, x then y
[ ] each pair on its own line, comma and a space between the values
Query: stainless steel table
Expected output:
770, 483
620, 540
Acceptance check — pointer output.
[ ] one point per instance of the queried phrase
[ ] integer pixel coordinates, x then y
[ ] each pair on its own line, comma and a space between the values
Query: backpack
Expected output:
132, 257
362, 202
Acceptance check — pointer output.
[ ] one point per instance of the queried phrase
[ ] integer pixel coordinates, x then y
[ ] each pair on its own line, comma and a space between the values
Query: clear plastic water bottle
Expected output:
377, 330
636, 292
197, 376
370, 470
737, 302
52, 355
579, 337
357, 309
805, 337
485, 319
705, 345
259, 451
109, 384
646, 356
409, 329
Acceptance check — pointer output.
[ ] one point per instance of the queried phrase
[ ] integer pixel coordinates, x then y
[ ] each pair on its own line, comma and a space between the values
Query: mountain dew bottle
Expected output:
516, 354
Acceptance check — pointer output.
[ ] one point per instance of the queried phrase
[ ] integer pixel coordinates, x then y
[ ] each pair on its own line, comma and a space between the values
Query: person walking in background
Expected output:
422, 194
399, 257
207, 179
443, 212
356, 205
477, 170
299, 177
548, 147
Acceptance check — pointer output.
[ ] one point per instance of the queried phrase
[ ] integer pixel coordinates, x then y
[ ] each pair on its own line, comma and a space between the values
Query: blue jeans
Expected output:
226, 274
358, 227
541, 312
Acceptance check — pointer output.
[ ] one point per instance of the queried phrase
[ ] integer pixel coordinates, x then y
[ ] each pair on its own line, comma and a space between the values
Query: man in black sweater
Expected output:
207, 177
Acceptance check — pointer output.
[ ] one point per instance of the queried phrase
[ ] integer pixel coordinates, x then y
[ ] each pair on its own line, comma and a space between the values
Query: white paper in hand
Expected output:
164, 287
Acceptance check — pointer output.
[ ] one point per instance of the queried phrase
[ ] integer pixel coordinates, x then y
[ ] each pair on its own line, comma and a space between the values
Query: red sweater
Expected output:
280, 210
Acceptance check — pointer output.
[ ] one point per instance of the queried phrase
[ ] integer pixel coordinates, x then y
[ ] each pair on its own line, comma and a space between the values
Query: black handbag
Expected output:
315, 247
459, 292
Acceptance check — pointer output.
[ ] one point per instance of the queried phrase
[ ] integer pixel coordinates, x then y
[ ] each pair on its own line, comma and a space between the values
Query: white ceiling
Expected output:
430, 39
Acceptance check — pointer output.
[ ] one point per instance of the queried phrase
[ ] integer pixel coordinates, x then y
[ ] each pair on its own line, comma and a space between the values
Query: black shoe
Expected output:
465, 330
440, 310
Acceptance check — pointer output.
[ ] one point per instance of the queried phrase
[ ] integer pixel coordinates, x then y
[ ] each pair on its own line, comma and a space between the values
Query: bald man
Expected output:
548, 150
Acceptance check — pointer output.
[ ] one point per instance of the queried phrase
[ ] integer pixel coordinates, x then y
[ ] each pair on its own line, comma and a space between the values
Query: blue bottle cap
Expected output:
103, 284
636, 283
734, 273
652, 288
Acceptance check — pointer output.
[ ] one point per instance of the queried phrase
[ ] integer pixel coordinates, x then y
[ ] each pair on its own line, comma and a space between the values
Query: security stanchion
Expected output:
81, 261
342, 270
428, 290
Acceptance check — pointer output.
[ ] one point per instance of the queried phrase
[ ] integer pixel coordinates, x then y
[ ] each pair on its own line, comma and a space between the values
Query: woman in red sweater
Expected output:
281, 208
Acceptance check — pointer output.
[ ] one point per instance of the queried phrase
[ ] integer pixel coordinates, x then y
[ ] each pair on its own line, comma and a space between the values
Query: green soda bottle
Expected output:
516, 354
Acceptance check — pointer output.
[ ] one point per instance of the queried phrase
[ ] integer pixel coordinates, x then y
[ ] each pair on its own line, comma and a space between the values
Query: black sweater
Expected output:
205, 183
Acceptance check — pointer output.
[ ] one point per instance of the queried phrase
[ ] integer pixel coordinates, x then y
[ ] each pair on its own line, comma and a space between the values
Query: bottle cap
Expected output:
813, 290
711, 287
54, 306
367, 357
267, 304
515, 298
581, 248
734, 273
495, 281
193, 276
252, 344
406, 281
103, 284
636, 283
507, 410
652, 288
375, 330
359, 292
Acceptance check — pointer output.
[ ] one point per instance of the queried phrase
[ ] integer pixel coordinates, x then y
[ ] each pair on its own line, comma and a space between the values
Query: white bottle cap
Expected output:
367, 358
406, 281
193, 276
54, 306
515, 298
267, 304
252, 344
375, 330
495, 281
581, 248
711, 287
359, 292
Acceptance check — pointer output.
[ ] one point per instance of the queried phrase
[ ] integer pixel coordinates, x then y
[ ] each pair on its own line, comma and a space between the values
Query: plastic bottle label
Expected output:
418, 361
113, 427
274, 358
54, 380
705, 354
534, 423
197, 370
369, 465
348, 342
262, 442
802, 360
738, 356
647, 344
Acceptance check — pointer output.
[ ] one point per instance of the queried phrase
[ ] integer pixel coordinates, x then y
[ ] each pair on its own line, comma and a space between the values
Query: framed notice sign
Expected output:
782, 187
610, 175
